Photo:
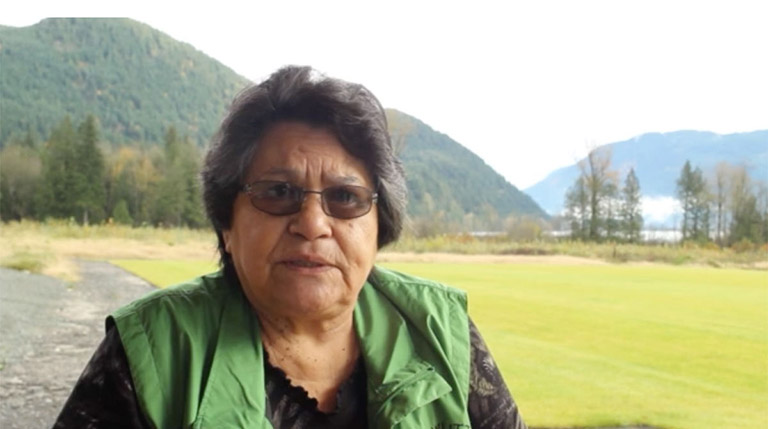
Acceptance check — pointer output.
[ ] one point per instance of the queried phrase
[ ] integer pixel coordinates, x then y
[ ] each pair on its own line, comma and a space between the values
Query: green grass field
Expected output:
673, 347
168, 272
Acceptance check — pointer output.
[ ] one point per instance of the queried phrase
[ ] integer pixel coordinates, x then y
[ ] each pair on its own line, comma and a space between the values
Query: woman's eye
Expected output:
280, 190
343, 195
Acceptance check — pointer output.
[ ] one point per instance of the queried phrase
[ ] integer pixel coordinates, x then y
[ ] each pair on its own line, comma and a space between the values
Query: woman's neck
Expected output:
317, 356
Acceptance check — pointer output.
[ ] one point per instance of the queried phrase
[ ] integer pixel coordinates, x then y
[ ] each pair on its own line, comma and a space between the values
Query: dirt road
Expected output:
48, 331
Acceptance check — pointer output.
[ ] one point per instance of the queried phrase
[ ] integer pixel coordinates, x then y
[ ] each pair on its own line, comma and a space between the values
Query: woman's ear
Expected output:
226, 234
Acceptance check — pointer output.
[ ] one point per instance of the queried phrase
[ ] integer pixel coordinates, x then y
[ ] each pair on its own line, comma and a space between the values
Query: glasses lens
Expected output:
277, 198
283, 198
347, 202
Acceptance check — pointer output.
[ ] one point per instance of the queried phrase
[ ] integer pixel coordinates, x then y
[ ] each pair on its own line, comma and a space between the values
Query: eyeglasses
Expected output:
282, 198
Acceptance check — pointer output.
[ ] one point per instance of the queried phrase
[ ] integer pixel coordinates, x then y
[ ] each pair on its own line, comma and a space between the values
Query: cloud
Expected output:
660, 210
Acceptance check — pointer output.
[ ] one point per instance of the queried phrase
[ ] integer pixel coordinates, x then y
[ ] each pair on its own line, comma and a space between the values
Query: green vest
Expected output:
196, 357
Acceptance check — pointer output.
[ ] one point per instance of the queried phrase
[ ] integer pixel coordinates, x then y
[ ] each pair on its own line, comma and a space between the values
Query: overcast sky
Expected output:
528, 86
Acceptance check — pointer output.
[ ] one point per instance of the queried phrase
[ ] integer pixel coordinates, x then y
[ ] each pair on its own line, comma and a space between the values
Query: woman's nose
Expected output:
311, 222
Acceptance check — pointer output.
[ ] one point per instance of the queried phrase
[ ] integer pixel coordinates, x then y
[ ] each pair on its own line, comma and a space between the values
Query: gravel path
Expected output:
48, 331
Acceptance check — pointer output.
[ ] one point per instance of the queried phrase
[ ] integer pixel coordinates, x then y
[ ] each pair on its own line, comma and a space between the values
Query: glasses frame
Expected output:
372, 199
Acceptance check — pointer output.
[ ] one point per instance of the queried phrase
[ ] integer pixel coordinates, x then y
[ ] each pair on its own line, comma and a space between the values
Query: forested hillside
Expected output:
135, 79
148, 94
450, 184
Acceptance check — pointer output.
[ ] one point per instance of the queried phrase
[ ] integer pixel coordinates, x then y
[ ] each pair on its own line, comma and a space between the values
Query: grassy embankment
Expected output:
741, 256
51, 247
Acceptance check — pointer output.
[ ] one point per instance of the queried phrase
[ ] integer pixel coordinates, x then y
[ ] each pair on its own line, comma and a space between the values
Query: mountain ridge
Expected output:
658, 159
139, 81
92, 65
428, 150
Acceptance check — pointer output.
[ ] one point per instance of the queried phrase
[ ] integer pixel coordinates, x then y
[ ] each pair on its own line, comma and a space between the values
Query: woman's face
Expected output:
308, 264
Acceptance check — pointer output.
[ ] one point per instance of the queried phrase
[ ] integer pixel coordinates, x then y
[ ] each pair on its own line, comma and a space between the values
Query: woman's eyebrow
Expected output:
345, 180
287, 173
293, 175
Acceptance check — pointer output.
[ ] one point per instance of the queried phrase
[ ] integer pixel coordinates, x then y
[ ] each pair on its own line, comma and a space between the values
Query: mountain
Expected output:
445, 176
658, 159
135, 79
139, 81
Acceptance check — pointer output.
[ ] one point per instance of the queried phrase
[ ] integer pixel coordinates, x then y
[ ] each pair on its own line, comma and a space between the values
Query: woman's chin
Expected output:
309, 301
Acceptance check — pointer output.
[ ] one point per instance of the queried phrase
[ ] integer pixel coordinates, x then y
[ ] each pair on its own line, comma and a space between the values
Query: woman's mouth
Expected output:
304, 264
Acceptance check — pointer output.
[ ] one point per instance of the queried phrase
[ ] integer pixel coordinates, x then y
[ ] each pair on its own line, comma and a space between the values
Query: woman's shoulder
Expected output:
196, 296
385, 277
414, 296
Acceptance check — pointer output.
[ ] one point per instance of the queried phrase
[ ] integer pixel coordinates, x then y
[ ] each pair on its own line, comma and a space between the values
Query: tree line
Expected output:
726, 207
74, 176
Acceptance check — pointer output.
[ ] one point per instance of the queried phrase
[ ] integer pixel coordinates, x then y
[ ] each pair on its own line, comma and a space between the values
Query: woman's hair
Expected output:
302, 94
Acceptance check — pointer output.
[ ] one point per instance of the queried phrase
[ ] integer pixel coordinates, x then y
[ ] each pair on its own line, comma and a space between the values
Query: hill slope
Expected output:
445, 176
659, 158
138, 81
135, 79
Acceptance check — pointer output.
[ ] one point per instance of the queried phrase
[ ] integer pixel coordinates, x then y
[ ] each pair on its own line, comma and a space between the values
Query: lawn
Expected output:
164, 273
676, 347
673, 347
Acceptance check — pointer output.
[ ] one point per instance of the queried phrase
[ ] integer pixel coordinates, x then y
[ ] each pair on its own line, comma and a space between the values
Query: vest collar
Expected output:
235, 393
399, 379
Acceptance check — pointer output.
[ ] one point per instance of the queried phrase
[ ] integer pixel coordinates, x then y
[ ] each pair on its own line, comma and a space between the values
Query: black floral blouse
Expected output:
104, 396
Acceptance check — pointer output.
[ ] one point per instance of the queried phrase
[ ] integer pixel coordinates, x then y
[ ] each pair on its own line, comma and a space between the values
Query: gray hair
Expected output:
302, 94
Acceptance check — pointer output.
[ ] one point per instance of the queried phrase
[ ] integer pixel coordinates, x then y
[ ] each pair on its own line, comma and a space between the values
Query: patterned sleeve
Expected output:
104, 396
490, 404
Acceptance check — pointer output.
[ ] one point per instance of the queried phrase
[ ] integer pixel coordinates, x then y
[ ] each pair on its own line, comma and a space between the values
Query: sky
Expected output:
529, 86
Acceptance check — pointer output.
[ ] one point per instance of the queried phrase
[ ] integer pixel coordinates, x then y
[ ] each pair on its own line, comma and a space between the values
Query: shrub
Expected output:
121, 214
24, 261
744, 245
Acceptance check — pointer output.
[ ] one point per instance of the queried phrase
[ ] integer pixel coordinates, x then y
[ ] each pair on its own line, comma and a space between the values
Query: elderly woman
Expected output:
299, 329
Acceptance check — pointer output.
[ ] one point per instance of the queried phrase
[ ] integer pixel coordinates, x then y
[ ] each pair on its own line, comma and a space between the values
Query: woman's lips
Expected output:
306, 264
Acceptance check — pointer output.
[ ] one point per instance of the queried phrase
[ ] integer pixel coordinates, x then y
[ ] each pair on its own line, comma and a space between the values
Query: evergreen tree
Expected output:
719, 194
747, 222
59, 193
686, 197
90, 173
172, 144
120, 214
611, 207
762, 209
748, 208
146, 176
20, 175
179, 200
193, 214
170, 203
29, 139
631, 217
577, 209
694, 200
701, 210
